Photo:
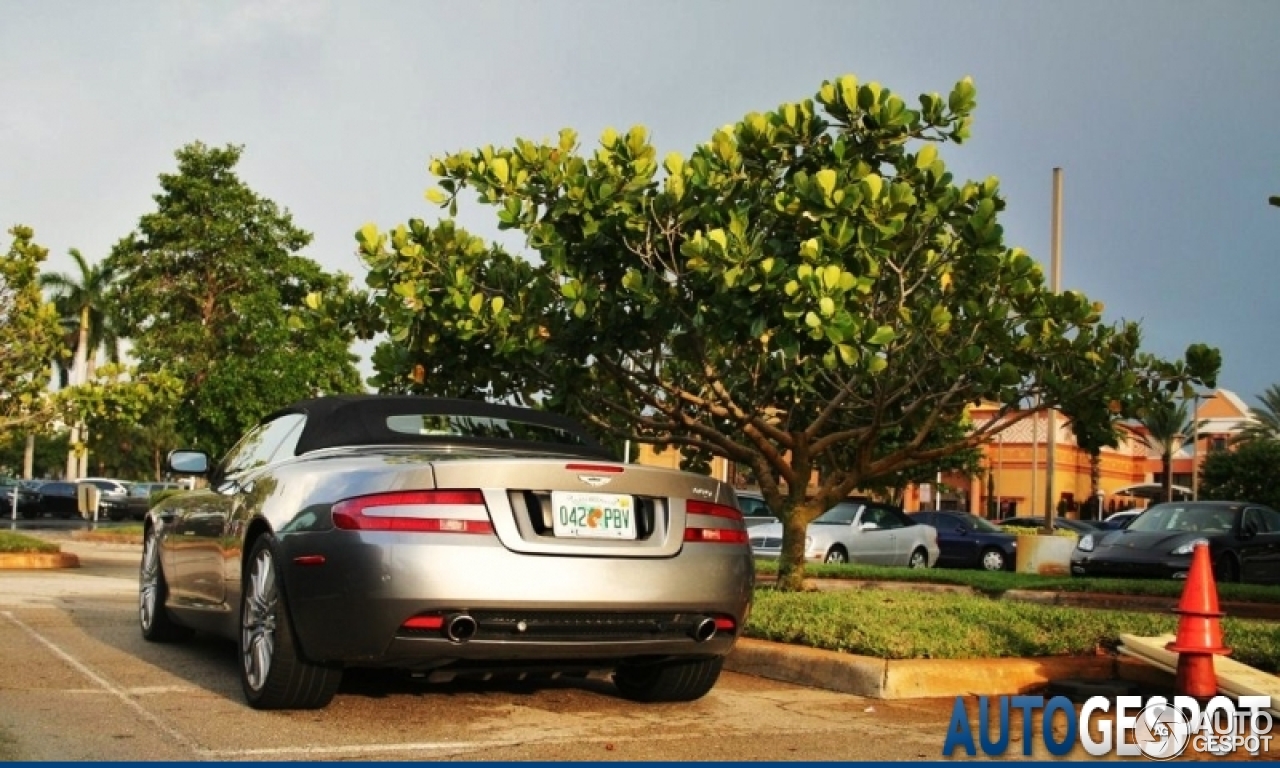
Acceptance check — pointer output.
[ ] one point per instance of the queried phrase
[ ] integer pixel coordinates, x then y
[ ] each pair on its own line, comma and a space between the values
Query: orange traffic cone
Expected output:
1199, 630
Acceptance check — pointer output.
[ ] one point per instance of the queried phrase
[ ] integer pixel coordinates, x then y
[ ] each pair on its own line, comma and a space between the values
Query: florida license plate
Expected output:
593, 515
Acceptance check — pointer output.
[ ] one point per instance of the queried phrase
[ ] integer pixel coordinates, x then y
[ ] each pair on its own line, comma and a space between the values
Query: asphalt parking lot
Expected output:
77, 682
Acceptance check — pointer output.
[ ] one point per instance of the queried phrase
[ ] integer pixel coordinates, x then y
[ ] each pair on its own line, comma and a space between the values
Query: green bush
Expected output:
924, 625
17, 543
1018, 530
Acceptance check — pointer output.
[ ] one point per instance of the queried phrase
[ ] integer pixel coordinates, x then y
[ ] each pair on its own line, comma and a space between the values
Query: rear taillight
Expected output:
694, 532
697, 507
420, 511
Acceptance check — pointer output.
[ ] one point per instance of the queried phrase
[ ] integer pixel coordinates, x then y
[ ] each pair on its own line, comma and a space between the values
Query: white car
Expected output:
860, 532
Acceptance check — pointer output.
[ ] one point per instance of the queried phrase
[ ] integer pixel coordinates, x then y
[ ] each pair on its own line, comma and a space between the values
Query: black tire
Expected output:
993, 559
153, 596
273, 673
668, 681
836, 556
1226, 570
919, 558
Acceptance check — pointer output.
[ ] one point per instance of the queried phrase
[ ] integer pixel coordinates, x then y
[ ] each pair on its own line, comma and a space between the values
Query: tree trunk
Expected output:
1167, 462
76, 462
791, 560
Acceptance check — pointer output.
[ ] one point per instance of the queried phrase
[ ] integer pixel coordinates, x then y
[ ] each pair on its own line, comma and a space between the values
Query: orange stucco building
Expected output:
1014, 470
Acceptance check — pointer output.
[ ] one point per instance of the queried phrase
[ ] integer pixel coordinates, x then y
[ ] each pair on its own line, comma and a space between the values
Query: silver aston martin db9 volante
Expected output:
450, 537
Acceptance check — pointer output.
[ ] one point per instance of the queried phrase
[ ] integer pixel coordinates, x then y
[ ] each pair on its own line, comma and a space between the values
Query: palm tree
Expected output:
1265, 424
1167, 427
81, 301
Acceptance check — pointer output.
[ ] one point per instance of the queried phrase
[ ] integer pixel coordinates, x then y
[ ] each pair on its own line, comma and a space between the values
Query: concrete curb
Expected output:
925, 678
32, 561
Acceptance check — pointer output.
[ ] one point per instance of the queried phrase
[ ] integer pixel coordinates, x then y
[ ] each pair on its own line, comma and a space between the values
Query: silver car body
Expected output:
860, 532
420, 533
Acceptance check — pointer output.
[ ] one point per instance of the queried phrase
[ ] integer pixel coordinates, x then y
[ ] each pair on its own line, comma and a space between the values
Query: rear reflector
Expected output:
716, 535
432, 622
309, 560
698, 507
447, 511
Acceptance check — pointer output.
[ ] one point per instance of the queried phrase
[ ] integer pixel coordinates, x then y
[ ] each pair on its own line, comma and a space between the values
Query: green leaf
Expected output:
827, 181
831, 276
717, 236
674, 163
497, 303
847, 353
313, 300
477, 301
883, 335
812, 320
871, 185
609, 138
436, 196
827, 306
501, 170
579, 309
928, 154
791, 287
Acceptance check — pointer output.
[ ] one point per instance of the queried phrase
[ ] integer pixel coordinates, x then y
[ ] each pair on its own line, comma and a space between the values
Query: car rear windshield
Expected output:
448, 425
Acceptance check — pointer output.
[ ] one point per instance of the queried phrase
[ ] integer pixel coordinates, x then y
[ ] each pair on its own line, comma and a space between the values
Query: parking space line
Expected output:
106, 685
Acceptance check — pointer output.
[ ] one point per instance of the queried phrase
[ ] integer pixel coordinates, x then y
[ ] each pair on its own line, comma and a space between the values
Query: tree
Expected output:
205, 285
116, 404
1246, 473
81, 301
809, 292
29, 334
1265, 424
1167, 426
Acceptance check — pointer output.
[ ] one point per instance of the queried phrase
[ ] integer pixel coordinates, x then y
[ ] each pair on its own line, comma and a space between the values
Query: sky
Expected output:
1161, 114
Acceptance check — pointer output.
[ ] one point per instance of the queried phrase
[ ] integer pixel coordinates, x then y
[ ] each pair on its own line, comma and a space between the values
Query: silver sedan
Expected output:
858, 532
447, 537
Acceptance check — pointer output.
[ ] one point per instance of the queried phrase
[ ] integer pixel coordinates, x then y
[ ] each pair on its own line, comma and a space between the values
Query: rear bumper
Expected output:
351, 609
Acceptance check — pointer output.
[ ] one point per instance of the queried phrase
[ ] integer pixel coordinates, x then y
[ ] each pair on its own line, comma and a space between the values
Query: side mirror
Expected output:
963, 531
188, 462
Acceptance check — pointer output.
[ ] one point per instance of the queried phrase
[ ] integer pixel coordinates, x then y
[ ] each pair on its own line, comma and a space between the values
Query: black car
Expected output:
968, 541
1243, 539
58, 499
28, 499
1080, 527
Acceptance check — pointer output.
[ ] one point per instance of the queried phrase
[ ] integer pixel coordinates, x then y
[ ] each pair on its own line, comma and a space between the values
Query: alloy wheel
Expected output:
258, 622
149, 583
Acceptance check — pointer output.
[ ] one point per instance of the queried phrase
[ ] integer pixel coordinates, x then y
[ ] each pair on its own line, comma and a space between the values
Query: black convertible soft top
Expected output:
347, 420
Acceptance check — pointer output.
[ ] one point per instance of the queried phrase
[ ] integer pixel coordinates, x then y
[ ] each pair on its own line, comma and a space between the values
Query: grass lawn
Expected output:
994, 583
922, 625
11, 542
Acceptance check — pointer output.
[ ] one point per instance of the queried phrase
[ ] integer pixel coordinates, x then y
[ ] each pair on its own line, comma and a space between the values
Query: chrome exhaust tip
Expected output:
460, 628
705, 630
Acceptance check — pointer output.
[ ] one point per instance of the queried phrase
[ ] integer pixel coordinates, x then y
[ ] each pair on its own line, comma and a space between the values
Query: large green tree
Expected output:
204, 287
30, 335
1247, 472
809, 291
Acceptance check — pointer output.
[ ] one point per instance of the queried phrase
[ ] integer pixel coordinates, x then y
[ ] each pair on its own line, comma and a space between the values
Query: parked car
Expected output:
860, 532
446, 535
969, 541
58, 498
754, 510
28, 499
1243, 539
1079, 527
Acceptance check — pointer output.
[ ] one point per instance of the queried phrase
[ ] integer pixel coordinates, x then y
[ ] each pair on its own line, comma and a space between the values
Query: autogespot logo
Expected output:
1126, 726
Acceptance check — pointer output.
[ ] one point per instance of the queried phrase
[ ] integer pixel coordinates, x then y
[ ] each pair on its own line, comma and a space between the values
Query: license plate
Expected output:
593, 515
